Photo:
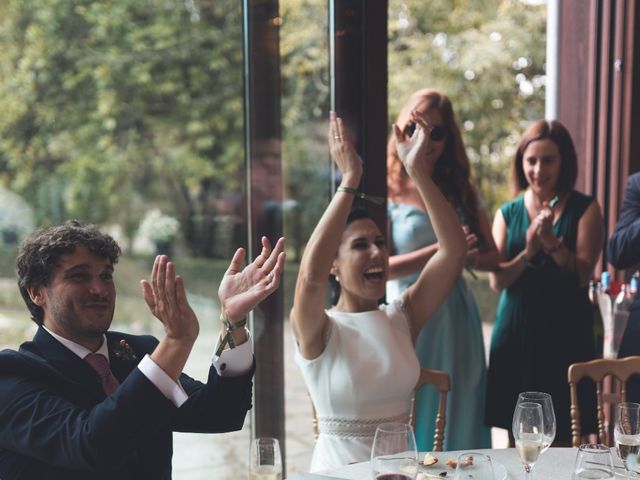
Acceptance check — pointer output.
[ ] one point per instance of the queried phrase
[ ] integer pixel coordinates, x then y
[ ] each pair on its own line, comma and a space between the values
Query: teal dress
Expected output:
450, 341
544, 323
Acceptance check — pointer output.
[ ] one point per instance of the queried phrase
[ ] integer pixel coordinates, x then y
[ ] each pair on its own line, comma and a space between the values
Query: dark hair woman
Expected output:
549, 239
357, 358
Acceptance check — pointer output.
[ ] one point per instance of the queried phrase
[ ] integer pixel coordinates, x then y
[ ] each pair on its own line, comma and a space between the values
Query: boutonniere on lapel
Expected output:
123, 351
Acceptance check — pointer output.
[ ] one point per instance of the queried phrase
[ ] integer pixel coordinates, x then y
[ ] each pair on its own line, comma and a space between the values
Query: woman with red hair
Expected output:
452, 339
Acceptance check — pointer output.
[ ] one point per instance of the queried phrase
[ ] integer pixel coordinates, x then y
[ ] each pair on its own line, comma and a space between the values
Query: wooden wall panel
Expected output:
597, 101
359, 87
263, 134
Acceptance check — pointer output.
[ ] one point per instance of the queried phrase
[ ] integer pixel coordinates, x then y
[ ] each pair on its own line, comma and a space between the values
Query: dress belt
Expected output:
353, 427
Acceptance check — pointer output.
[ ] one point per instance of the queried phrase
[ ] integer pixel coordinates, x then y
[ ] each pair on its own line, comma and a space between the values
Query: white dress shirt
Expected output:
231, 362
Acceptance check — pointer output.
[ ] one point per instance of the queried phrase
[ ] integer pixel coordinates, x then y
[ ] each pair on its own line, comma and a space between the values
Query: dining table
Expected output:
554, 464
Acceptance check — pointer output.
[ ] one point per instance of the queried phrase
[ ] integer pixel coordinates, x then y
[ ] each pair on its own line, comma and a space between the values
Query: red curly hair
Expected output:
452, 172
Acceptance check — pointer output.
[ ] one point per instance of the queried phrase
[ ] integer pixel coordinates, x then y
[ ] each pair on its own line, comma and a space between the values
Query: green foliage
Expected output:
114, 107
111, 107
304, 51
488, 57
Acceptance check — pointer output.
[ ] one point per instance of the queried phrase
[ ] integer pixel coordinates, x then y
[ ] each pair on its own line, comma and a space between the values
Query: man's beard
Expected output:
71, 322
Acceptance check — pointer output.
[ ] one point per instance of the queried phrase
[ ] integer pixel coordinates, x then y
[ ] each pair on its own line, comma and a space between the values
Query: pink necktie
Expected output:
100, 364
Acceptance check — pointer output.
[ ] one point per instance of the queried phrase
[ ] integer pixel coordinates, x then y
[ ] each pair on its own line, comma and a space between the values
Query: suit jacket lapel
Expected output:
66, 362
76, 370
120, 367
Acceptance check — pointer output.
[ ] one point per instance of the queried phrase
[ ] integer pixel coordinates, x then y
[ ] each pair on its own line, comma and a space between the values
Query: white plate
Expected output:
499, 472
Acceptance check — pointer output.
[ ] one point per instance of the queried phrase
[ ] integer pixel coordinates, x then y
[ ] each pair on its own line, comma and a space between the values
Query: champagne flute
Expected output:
394, 455
593, 461
627, 434
548, 415
265, 460
527, 430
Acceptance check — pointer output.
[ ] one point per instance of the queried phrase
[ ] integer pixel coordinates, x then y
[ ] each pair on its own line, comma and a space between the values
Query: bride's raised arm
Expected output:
308, 318
439, 274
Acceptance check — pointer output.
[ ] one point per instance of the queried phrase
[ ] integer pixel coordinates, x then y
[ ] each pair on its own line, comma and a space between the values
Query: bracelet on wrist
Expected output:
228, 336
365, 196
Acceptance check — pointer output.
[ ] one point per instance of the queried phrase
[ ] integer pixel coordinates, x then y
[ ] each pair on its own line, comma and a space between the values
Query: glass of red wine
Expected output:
394, 455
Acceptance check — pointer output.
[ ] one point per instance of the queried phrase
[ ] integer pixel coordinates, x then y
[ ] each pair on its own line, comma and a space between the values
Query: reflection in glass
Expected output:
128, 114
307, 180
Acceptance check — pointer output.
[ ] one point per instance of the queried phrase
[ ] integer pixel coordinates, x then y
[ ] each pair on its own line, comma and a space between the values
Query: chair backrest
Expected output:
439, 380
597, 370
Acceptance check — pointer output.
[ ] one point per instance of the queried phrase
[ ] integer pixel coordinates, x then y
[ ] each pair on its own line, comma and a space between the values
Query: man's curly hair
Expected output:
39, 254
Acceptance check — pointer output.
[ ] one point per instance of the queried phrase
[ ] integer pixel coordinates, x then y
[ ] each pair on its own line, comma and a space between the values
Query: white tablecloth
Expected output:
554, 464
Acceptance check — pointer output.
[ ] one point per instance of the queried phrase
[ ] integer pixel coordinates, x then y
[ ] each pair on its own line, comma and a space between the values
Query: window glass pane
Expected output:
128, 114
488, 57
307, 169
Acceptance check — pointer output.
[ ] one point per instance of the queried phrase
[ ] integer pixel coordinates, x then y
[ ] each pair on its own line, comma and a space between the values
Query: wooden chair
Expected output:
441, 381
427, 376
597, 370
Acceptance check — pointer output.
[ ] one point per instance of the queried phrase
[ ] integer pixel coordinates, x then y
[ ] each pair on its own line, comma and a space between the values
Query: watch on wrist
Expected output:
228, 337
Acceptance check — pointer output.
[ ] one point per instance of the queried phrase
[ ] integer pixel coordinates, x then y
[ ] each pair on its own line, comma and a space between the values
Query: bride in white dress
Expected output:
357, 358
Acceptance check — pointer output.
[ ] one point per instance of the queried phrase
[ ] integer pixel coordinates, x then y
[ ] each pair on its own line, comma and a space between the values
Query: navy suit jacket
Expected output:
623, 251
623, 248
56, 422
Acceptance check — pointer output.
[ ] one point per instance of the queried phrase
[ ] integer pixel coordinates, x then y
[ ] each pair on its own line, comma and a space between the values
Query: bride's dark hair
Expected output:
357, 213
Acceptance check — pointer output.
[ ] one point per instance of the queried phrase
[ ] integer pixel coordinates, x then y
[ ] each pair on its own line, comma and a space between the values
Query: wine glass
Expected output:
265, 460
474, 465
627, 434
593, 461
527, 430
394, 455
548, 415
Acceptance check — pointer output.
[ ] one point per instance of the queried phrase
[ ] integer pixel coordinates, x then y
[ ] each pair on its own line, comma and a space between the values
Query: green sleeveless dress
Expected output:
544, 323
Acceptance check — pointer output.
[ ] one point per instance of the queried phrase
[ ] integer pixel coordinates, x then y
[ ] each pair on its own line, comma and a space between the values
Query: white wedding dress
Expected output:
365, 376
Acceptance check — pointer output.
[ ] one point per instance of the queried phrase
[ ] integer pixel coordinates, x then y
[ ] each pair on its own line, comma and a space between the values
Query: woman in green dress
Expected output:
549, 239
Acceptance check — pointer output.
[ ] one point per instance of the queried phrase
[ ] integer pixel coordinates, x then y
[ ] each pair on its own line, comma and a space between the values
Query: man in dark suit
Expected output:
81, 402
623, 252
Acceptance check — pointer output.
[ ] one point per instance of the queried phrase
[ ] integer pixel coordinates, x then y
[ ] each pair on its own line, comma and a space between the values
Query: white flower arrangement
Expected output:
16, 217
158, 227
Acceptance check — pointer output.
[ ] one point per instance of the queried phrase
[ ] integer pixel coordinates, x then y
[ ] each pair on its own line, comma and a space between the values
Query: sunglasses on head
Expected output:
436, 133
